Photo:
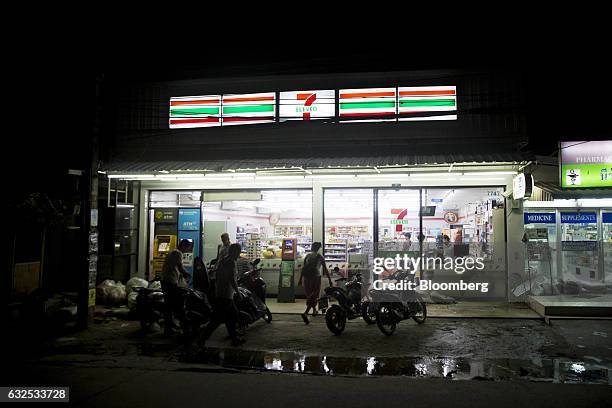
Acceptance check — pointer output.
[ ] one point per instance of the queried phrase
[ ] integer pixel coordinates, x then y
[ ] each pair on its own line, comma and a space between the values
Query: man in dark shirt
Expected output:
225, 289
174, 276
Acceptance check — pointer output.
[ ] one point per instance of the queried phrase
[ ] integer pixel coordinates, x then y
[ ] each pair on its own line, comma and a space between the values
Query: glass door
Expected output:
398, 222
607, 245
579, 249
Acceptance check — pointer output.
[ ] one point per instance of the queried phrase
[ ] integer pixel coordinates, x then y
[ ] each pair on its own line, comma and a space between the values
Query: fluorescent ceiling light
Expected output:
292, 177
131, 176
330, 176
229, 175
489, 173
434, 174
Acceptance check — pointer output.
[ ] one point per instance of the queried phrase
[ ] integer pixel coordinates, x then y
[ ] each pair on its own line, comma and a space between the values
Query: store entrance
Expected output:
455, 223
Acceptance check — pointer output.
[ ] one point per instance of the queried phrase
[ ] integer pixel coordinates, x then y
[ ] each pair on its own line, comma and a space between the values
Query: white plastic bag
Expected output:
132, 300
102, 291
135, 282
116, 295
155, 284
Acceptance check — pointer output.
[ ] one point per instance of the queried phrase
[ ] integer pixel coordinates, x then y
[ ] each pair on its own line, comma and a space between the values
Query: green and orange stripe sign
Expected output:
427, 103
195, 111
369, 103
249, 108
415, 103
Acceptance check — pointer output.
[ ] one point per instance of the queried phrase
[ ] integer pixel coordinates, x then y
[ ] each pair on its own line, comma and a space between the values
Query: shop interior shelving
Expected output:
336, 250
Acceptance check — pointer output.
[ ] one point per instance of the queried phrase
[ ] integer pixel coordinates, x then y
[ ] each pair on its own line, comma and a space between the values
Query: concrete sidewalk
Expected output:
467, 309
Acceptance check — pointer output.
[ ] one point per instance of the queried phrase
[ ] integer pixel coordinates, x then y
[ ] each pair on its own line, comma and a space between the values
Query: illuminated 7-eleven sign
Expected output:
307, 105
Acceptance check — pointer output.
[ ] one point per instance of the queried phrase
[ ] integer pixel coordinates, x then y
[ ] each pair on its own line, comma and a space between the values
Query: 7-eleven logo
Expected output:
401, 213
308, 99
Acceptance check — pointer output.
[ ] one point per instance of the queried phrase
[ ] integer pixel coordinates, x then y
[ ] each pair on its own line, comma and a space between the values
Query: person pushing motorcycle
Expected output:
226, 287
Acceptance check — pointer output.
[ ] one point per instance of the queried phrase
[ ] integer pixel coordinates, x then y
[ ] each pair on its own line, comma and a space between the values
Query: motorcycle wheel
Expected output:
335, 318
421, 313
268, 315
386, 320
368, 316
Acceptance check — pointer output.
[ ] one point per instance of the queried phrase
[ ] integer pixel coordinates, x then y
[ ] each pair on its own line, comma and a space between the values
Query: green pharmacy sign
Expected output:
586, 164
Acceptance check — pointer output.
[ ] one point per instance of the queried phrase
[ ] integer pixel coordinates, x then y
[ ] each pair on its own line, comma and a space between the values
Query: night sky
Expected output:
568, 76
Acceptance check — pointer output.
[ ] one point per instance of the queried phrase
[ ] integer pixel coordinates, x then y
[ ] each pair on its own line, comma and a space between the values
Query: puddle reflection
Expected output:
538, 369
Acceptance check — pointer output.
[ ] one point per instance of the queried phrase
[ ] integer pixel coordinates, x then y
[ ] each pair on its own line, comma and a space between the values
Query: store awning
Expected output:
557, 192
317, 162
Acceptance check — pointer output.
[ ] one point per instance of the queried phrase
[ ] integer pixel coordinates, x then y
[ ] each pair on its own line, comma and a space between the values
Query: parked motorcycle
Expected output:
150, 308
400, 306
251, 301
197, 312
149, 305
350, 305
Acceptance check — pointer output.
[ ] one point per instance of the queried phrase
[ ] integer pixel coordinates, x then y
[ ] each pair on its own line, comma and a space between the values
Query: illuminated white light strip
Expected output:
490, 173
236, 175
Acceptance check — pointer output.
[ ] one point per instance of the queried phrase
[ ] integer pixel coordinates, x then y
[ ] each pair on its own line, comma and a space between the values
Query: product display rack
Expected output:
336, 250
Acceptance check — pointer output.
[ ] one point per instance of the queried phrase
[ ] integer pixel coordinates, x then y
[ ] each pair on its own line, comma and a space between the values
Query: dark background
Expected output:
568, 80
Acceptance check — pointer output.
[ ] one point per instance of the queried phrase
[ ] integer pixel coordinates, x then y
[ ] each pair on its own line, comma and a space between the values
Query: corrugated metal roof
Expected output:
555, 189
315, 162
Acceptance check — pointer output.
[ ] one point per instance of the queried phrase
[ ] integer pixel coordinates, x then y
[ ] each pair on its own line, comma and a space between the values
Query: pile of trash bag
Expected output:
135, 282
111, 293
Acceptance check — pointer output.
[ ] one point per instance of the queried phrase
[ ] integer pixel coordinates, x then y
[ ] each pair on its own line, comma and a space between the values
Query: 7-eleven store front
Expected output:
358, 212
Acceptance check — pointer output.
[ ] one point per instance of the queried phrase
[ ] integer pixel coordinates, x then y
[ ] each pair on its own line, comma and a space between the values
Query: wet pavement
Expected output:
456, 349
537, 369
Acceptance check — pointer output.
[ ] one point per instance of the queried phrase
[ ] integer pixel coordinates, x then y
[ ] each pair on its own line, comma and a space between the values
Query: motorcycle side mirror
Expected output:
256, 261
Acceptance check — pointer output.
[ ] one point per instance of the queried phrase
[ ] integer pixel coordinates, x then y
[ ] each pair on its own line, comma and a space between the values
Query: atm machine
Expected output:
162, 245
286, 284
164, 239
189, 228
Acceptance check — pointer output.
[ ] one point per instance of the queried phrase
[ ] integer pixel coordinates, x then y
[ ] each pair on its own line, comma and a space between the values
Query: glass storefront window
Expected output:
349, 226
579, 247
398, 220
164, 199
540, 253
259, 226
607, 245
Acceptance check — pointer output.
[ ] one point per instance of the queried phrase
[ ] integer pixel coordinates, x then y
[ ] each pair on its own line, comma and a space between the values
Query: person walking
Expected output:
314, 263
174, 276
200, 276
223, 249
226, 287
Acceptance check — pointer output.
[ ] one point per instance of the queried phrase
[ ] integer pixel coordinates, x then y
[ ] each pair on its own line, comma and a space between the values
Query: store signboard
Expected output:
586, 164
247, 109
413, 103
307, 105
539, 218
189, 219
195, 111
165, 215
607, 218
368, 104
522, 186
427, 103
579, 218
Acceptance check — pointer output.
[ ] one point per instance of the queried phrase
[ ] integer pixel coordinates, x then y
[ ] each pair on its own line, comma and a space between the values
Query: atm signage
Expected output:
540, 218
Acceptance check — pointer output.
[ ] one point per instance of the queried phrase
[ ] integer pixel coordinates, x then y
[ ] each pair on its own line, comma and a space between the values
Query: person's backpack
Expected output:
310, 268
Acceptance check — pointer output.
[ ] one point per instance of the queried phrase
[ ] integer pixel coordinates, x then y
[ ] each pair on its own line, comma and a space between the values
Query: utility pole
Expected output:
89, 216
